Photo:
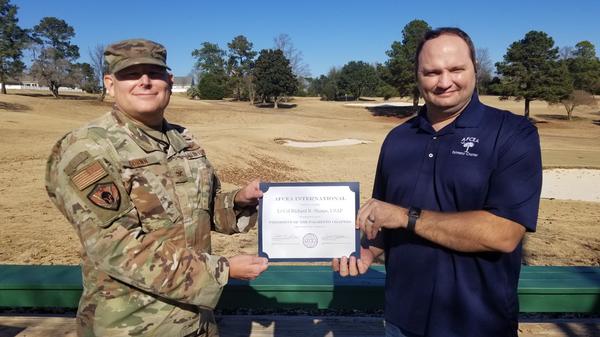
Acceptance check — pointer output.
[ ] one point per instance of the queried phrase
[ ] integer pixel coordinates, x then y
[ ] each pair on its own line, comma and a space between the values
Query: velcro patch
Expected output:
193, 154
105, 195
192, 145
135, 163
179, 175
89, 175
141, 162
76, 161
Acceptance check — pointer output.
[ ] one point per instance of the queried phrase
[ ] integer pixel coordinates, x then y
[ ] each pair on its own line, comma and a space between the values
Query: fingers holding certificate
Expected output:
308, 221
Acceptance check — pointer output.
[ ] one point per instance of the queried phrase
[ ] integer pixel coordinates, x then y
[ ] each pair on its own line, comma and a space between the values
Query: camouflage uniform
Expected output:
143, 203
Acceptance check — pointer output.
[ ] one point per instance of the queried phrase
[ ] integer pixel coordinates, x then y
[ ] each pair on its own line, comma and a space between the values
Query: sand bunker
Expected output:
311, 144
571, 184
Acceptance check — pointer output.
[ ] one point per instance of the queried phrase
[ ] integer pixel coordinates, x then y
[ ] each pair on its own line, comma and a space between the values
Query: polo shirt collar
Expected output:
470, 117
472, 114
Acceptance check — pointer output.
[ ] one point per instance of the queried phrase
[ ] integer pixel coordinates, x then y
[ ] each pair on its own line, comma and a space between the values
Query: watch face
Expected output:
414, 212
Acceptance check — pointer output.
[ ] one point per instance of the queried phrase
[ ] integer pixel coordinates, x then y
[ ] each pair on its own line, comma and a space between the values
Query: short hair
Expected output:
434, 33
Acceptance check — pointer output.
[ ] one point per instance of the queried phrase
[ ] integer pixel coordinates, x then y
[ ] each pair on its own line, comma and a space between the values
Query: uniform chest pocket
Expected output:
153, 194
193, 174
202, 175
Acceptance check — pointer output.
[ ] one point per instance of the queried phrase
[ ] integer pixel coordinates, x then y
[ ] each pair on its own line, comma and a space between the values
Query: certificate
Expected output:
308, 221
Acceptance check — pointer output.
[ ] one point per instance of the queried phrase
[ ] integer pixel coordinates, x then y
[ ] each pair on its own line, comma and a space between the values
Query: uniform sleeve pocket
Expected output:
99, 193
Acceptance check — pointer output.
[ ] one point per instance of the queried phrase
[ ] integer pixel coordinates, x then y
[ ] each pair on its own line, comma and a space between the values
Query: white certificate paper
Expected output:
308, 221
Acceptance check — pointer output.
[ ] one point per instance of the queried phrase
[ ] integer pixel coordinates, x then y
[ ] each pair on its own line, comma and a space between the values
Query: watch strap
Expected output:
413, 214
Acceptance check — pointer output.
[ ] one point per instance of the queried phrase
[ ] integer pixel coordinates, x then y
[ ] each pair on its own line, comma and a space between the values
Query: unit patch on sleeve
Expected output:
105, 195
89, 175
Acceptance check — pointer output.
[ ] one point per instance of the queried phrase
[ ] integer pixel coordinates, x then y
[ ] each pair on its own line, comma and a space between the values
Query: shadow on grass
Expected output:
559, 117
569, 324
589, 329
10, 331
537, 121
392, 111
61, 96
279, 105
13, 107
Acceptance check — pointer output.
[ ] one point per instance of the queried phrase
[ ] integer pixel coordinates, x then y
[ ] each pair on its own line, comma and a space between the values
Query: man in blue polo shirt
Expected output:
456, 189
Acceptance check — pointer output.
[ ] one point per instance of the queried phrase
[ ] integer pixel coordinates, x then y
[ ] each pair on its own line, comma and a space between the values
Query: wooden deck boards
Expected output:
289, 326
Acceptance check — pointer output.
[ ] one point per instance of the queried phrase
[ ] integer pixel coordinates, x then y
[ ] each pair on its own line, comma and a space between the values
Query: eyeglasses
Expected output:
135, 73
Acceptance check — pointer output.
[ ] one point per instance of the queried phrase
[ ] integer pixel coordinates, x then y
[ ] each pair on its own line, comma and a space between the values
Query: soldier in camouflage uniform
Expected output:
143, 199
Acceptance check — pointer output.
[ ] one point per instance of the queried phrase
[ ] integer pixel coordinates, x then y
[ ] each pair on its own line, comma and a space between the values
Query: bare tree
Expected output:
484, 69
566, 53
284, 43
55, 54
249, 80
52, 70
578, 98
100, 67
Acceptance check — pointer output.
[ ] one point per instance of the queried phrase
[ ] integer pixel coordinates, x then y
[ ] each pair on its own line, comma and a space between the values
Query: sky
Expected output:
329, 33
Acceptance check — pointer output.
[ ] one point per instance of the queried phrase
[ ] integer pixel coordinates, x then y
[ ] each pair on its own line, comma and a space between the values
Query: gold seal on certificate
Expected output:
308, 221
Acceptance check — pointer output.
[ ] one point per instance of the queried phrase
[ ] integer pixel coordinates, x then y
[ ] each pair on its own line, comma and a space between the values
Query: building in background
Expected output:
182, 83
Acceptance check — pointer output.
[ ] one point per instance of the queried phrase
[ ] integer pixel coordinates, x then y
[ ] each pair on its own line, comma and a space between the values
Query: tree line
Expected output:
244, 74
54, 57
532, 68
236, 73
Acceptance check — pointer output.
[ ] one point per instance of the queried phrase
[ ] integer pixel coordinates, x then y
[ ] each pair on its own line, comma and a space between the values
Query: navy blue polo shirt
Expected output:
487, 159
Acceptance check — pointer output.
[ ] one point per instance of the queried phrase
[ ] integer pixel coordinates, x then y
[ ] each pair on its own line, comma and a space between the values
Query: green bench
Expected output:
541, 289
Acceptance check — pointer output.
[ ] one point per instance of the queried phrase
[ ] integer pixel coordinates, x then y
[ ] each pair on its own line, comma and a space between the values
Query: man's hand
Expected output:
375, 214
247, 267
249, 195
352, 266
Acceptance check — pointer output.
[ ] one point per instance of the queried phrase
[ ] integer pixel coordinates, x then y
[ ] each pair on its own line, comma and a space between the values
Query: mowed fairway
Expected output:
240, 142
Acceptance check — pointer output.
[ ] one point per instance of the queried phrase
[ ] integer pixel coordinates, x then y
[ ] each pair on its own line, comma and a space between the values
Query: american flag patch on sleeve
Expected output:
89, 175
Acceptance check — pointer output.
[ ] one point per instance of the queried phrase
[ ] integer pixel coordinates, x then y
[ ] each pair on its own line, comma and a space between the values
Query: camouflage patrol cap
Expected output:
126, 53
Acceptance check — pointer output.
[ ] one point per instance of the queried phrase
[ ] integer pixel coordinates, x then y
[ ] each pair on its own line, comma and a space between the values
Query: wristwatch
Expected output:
413, 214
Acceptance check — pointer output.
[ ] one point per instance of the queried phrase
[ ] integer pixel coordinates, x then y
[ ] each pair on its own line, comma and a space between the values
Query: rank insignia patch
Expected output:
105, 195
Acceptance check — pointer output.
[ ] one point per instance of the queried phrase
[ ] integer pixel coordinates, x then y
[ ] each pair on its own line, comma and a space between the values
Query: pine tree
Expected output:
584, 66
239, 65
273, 75
401, 63
358, 78
531, 71
212, 76
13, 39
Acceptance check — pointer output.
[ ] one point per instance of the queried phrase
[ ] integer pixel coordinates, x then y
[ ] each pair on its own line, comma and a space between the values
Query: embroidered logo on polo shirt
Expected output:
468, 143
